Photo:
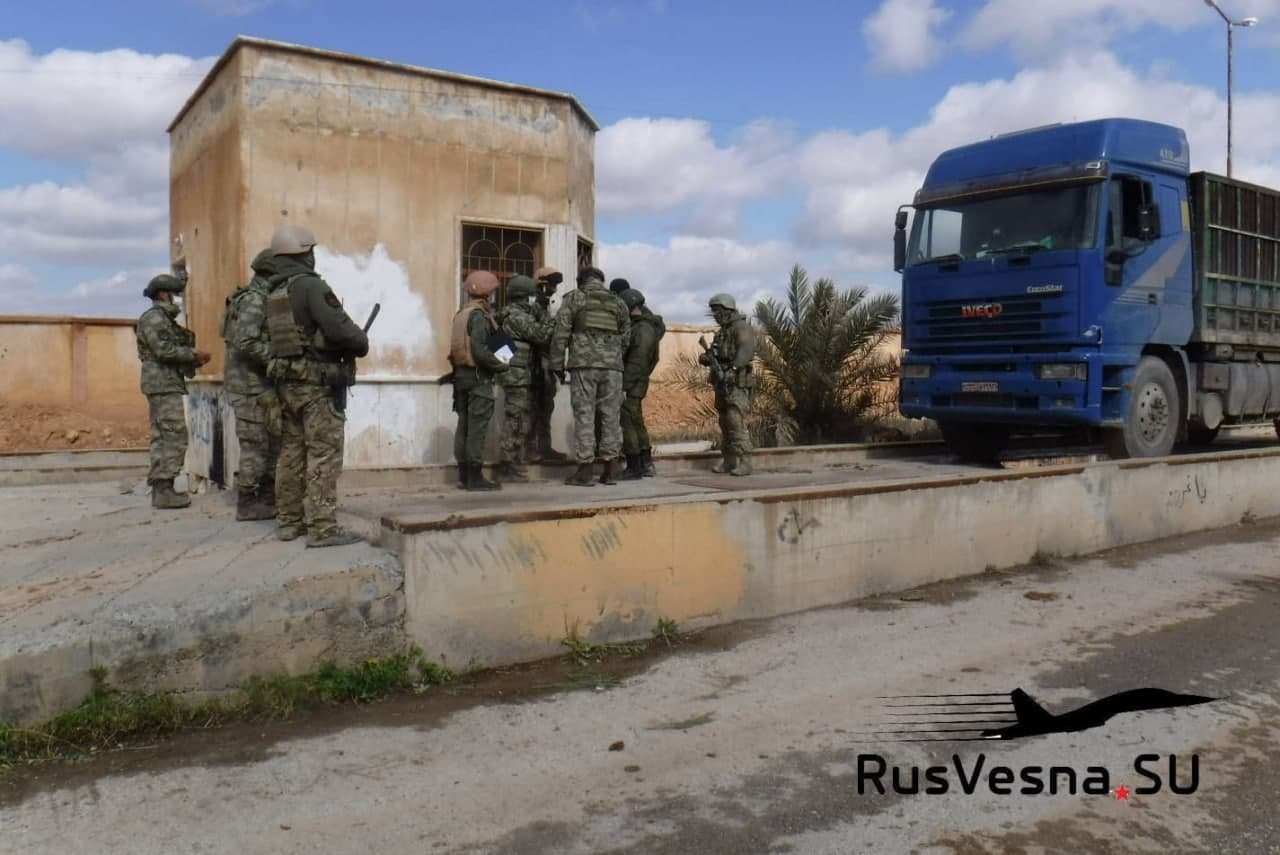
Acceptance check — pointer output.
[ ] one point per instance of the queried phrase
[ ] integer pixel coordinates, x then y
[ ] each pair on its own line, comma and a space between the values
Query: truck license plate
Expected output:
979, 387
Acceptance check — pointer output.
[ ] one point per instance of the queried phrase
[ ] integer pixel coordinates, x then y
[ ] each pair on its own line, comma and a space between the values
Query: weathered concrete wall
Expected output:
510, 587
88, 365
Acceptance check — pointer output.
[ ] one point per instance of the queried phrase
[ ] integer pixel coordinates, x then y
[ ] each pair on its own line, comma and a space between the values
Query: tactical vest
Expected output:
231, 313
459, 341
286, 337
185, 337
598, 314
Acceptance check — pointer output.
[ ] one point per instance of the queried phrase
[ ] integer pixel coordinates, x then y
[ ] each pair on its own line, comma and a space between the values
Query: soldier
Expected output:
530, 336
594, 324
641, 358
617, 286
313, 346
168, 356
474, 365
543, 387
729, 358
253, 396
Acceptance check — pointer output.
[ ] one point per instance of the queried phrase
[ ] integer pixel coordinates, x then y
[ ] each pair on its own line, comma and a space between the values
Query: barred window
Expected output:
501, 250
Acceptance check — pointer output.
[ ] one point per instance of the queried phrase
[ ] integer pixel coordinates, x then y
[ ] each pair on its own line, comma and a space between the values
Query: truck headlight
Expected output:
1062, 371
916, 372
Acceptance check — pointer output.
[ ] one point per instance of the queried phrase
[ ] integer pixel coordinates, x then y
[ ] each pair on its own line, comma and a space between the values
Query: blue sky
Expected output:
737, 138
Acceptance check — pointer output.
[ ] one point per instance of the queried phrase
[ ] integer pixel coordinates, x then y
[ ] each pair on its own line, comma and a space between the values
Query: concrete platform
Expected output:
192, 600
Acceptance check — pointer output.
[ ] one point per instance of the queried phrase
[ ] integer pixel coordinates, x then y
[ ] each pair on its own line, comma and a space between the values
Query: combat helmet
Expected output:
164, 282
292, 240
549, 275
480, 283
519, 287
632, 298
723, 301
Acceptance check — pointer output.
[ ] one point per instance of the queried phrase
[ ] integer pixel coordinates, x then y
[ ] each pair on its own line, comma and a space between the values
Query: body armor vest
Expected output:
598, 314
282, 330
459, 341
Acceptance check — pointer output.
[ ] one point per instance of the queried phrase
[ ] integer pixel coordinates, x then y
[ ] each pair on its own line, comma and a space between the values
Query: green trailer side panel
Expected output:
1237, 267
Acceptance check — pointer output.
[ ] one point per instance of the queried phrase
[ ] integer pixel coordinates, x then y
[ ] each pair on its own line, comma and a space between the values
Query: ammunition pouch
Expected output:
598, 315
282, 330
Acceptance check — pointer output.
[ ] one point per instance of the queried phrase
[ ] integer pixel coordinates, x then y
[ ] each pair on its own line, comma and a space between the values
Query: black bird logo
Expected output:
1015, 718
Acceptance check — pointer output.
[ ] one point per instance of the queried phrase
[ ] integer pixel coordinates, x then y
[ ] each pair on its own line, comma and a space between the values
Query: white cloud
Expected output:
118, 295
677, 279
902, 33
645, 165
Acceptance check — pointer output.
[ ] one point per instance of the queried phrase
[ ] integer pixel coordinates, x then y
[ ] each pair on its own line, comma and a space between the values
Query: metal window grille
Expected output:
502, 251
585, 253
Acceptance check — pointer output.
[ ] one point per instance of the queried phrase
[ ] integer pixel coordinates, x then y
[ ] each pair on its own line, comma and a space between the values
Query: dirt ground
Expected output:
37, 427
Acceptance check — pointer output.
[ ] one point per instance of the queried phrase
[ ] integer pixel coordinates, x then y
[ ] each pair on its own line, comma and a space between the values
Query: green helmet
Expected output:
724, 301
164, 282
632, 298
519, 287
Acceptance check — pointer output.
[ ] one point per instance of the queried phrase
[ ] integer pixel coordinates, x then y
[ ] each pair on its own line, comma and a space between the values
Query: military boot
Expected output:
741, 466
633, 470
163, 496
462, 476
606, 477
581, 476
249, 506
509, 471
550, 455
476, 480
647, 469
726, 464
337, 537
267, 498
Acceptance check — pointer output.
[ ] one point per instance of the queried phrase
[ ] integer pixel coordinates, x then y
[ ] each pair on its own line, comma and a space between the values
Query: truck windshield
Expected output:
1055, 218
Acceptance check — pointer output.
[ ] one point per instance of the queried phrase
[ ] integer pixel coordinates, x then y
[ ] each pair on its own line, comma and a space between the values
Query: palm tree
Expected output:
822, 373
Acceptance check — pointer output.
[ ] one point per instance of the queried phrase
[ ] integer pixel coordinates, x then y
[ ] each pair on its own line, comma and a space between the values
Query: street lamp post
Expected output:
1231, 25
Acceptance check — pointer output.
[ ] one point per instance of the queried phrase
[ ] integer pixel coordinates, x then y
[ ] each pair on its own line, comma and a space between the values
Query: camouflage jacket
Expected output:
531, 334
244, 329
733, 349
642, 354
595, 325
166, 350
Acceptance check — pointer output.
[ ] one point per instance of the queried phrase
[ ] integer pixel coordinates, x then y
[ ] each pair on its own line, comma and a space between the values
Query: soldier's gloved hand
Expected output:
202, 357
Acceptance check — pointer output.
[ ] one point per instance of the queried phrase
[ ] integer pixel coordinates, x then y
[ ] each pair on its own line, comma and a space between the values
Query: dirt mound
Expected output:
39, 427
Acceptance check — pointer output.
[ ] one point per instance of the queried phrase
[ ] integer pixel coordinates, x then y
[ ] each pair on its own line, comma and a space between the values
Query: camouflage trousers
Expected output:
517, 425
312, 435
473, 401
258, 432
168, 437
733, 403
635, 436
592, 391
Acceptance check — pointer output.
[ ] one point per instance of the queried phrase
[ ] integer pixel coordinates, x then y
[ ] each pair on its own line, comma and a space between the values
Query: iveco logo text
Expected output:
1044, 289
982, 310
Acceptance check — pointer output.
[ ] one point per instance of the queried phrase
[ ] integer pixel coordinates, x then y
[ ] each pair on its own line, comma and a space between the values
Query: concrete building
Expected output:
410, 178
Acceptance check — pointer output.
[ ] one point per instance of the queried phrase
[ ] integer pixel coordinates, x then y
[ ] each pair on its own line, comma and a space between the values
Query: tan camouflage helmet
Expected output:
292, 240
480, 283
723, 301
549, 275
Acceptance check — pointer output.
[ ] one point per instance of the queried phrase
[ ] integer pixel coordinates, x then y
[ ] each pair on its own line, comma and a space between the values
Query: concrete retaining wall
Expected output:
501, 589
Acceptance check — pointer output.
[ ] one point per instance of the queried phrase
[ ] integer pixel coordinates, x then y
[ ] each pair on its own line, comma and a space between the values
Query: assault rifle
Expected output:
717, 370
339, 387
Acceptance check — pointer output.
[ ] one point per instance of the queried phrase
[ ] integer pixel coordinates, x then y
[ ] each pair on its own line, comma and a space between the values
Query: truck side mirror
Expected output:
1149, 222
900, 241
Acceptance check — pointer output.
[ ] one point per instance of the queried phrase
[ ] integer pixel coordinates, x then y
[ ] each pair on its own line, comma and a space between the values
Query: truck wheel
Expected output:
1151, 425
975, 443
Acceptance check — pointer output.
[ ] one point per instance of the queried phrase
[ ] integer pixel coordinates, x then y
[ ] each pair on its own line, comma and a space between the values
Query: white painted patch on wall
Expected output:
403, 330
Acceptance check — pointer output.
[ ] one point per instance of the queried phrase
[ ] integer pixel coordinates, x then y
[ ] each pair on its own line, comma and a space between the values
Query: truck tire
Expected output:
1151, 425
973, 442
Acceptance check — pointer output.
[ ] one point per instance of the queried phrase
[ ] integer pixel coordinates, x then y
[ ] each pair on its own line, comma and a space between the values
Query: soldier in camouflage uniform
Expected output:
595, 325
474, 367
168, 356
529, 335
253, 396
729, 358
313, 345
639, 361
542, 389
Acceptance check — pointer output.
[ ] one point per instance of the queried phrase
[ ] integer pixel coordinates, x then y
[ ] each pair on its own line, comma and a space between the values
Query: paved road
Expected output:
754, 744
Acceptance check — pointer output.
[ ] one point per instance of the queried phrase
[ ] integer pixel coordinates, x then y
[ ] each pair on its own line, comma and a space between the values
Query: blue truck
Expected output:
1078, 278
